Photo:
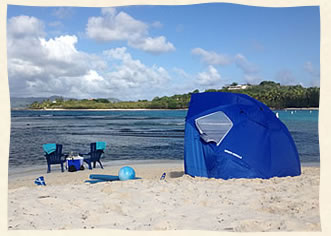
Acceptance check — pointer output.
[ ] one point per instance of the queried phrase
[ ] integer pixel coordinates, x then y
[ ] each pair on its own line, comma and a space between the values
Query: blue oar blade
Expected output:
94, 181
105, 177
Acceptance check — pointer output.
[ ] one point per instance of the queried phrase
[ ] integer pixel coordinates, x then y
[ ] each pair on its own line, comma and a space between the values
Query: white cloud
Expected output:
113, 26
286, 77
63, 12
25, 26
23, 33
152, 45
93, 76
245, 65
55, 67
157, 24
211, 58
118, 54
309, 67
55, 24
181, 72
211, 77
61, 48
132, 77
314, 74
26, 68
251, 71
252, 78
41, 67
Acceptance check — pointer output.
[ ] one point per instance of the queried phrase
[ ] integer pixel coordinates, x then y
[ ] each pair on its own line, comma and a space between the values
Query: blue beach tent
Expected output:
230, 135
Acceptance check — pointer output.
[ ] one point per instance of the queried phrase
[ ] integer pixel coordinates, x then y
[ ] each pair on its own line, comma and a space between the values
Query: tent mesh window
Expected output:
213, 127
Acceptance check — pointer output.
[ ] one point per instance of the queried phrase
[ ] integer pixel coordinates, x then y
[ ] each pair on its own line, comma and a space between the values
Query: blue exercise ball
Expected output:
126, 173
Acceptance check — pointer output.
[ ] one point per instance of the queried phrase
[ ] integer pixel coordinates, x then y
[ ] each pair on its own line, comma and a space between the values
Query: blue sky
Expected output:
139, 52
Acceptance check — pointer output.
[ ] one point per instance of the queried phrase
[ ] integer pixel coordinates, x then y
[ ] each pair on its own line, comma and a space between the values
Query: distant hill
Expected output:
113, 100
17, 102
270, 93
24, 102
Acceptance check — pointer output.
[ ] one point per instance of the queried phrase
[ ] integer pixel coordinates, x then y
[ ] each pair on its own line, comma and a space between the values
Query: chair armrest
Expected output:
65, 155
84, 154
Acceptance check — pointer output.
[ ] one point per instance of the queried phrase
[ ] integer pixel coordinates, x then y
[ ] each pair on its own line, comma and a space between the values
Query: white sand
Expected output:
179, 202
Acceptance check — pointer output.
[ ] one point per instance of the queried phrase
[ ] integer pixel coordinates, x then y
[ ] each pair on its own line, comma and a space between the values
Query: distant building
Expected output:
237, 87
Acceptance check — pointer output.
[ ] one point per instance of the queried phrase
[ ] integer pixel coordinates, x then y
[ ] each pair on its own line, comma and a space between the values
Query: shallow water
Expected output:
130, 135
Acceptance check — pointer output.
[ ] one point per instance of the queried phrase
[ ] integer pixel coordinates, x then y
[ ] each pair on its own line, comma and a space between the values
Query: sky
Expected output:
140, 52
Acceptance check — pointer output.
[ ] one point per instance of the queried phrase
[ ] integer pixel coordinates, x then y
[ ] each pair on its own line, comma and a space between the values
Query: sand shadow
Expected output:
176, 174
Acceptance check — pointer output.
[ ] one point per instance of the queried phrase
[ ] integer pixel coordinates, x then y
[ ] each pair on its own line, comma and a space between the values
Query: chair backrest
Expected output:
55, 157
95, 154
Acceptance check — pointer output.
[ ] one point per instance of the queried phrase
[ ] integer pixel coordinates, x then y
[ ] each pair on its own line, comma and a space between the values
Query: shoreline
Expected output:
144, 168
122, 109
145, 109
40, 169
157, 167
301, 108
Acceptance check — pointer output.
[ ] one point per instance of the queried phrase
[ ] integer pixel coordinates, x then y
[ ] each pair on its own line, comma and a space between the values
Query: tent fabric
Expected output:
254, 143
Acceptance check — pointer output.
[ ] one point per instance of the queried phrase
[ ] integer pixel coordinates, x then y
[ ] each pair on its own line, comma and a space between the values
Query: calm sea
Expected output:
130, 135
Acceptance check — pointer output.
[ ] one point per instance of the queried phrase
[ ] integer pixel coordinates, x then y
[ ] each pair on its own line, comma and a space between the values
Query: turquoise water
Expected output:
303, 125
130, 135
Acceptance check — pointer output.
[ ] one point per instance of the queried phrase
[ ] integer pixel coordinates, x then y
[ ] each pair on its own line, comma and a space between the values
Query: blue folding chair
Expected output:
96, 152
53, 154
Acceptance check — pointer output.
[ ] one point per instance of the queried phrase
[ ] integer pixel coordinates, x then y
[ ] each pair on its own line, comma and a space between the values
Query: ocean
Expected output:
130, 135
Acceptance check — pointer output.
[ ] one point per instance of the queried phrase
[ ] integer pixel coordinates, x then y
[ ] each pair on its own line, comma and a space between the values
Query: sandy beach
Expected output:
179, 202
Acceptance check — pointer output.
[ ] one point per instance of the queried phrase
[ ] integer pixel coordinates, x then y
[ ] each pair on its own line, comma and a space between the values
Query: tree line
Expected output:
270, 93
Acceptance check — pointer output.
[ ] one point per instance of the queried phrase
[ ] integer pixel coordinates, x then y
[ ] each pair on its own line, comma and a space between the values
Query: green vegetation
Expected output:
277, 96
270, 93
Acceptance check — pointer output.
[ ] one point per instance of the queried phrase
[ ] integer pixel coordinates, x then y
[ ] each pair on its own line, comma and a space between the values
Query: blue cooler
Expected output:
76, 161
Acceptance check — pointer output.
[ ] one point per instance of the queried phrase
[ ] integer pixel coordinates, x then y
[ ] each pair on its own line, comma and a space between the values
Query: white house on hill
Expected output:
237, 87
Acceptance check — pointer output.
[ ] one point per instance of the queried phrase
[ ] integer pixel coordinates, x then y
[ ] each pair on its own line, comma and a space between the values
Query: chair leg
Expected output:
89, 164
62, 167
100, 164
48, 168
94, 164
